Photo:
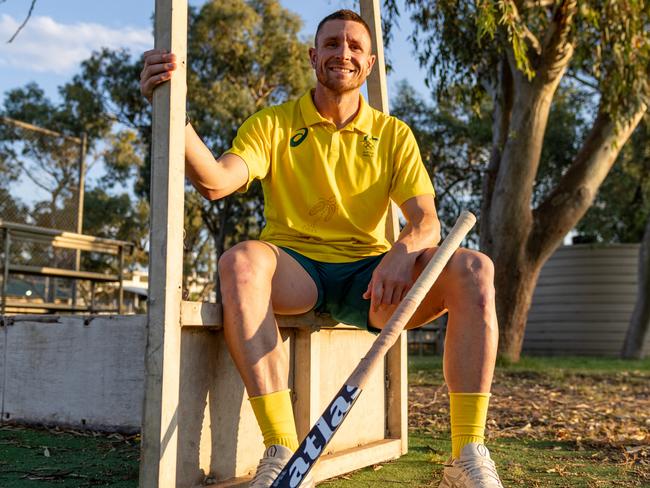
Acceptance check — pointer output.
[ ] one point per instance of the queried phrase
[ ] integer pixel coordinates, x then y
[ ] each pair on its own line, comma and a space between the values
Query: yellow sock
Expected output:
468, 413
274, 415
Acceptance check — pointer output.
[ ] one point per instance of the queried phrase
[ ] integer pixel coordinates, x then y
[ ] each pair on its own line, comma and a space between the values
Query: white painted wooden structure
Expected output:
197, 422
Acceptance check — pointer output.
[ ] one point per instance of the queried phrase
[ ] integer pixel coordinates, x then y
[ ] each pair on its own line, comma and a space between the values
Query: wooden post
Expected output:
162, 362
120, 274
396, 363
81, 184
5, 269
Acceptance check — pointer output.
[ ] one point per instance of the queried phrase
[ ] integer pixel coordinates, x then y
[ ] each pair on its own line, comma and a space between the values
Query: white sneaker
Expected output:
473, 469
275, 457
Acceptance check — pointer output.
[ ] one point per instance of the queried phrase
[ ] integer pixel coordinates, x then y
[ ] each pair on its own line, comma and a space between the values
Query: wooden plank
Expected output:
377, 88
306, 379
162, 364
357, 458
396, 360
61, 273
25, 230
376, 82
331, 465
67, 243
340, 353
13, 306
397, 392
205, 314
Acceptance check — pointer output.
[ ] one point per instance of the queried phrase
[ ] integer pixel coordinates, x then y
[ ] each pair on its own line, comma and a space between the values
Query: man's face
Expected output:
342, 58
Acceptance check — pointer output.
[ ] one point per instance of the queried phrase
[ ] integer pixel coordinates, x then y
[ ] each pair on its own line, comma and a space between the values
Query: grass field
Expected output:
554, 422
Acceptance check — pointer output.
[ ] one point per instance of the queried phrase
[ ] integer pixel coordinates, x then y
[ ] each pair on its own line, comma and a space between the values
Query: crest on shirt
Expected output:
298, 137
323, 210
369, 144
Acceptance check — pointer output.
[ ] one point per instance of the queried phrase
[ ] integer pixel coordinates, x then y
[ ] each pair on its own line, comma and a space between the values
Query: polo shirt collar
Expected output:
362, 122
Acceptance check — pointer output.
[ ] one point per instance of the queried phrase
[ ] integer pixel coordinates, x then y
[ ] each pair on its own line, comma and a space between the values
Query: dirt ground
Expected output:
604, 413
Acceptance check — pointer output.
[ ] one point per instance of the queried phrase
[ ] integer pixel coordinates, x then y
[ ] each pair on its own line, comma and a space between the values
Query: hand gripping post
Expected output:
321, 433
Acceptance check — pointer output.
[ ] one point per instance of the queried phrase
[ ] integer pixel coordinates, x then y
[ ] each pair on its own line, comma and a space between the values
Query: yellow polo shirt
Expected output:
327, 190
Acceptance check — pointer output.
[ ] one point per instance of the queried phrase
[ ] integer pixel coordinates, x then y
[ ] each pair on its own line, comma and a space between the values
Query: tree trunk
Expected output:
640, 321
518, 238
509, 223
516, 284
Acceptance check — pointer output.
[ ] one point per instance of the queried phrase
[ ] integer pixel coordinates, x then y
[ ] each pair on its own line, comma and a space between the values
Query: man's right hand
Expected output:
158, 67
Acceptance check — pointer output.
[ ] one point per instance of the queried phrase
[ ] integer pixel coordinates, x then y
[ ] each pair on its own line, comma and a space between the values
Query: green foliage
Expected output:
232, 74
454, 142
115, 217
568, 122
461, 42
113, 79
50, 162
123, 158
237, 64
622, 206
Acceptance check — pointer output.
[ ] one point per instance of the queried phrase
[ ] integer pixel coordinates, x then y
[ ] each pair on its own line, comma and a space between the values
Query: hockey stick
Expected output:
321, 433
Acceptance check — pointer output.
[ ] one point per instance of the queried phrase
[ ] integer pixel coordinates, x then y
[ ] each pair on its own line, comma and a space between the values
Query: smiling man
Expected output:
329, 166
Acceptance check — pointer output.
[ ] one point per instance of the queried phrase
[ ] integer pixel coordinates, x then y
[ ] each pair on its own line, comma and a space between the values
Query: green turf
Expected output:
530, 464
575, 364
44, 458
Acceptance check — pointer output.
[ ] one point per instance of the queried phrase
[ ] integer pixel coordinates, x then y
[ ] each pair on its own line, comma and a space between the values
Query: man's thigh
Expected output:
293, 291
432, 305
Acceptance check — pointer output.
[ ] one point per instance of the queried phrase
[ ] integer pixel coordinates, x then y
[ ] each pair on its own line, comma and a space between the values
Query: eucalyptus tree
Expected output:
242, 56
518, 52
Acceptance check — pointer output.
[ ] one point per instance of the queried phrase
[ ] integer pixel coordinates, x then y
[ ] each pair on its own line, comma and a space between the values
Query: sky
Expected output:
62, 33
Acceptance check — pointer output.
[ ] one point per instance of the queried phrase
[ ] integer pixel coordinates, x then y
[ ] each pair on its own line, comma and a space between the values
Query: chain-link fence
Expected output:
41, 176
41, 184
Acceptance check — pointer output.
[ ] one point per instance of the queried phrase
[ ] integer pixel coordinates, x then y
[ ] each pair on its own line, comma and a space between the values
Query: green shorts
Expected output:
341, 287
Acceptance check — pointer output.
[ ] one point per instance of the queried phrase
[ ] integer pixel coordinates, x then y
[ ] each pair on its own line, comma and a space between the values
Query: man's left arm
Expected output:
393, 277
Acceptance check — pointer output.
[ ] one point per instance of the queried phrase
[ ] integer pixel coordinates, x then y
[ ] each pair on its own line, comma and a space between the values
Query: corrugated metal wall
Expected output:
583, 301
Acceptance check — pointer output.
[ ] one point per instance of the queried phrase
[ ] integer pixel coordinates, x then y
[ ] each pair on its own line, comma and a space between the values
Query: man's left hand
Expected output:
392, 278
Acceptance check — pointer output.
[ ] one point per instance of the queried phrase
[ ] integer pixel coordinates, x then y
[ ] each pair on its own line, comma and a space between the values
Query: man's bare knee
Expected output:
472, 273
246, 264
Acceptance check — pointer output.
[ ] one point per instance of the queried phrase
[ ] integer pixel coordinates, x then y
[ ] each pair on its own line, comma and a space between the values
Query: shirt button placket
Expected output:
334, 148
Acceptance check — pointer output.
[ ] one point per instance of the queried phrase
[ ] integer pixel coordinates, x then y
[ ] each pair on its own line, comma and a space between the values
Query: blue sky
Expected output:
62, 33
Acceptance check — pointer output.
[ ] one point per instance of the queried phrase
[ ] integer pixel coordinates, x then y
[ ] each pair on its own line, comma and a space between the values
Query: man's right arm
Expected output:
212, 178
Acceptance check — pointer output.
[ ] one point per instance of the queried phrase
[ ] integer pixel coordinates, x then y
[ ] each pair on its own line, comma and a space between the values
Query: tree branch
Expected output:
575, 192
583, 81
503, 97
528, 4
557, 49
29, 14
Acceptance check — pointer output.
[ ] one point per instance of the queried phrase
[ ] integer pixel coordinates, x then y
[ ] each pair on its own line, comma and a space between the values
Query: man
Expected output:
329, 166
